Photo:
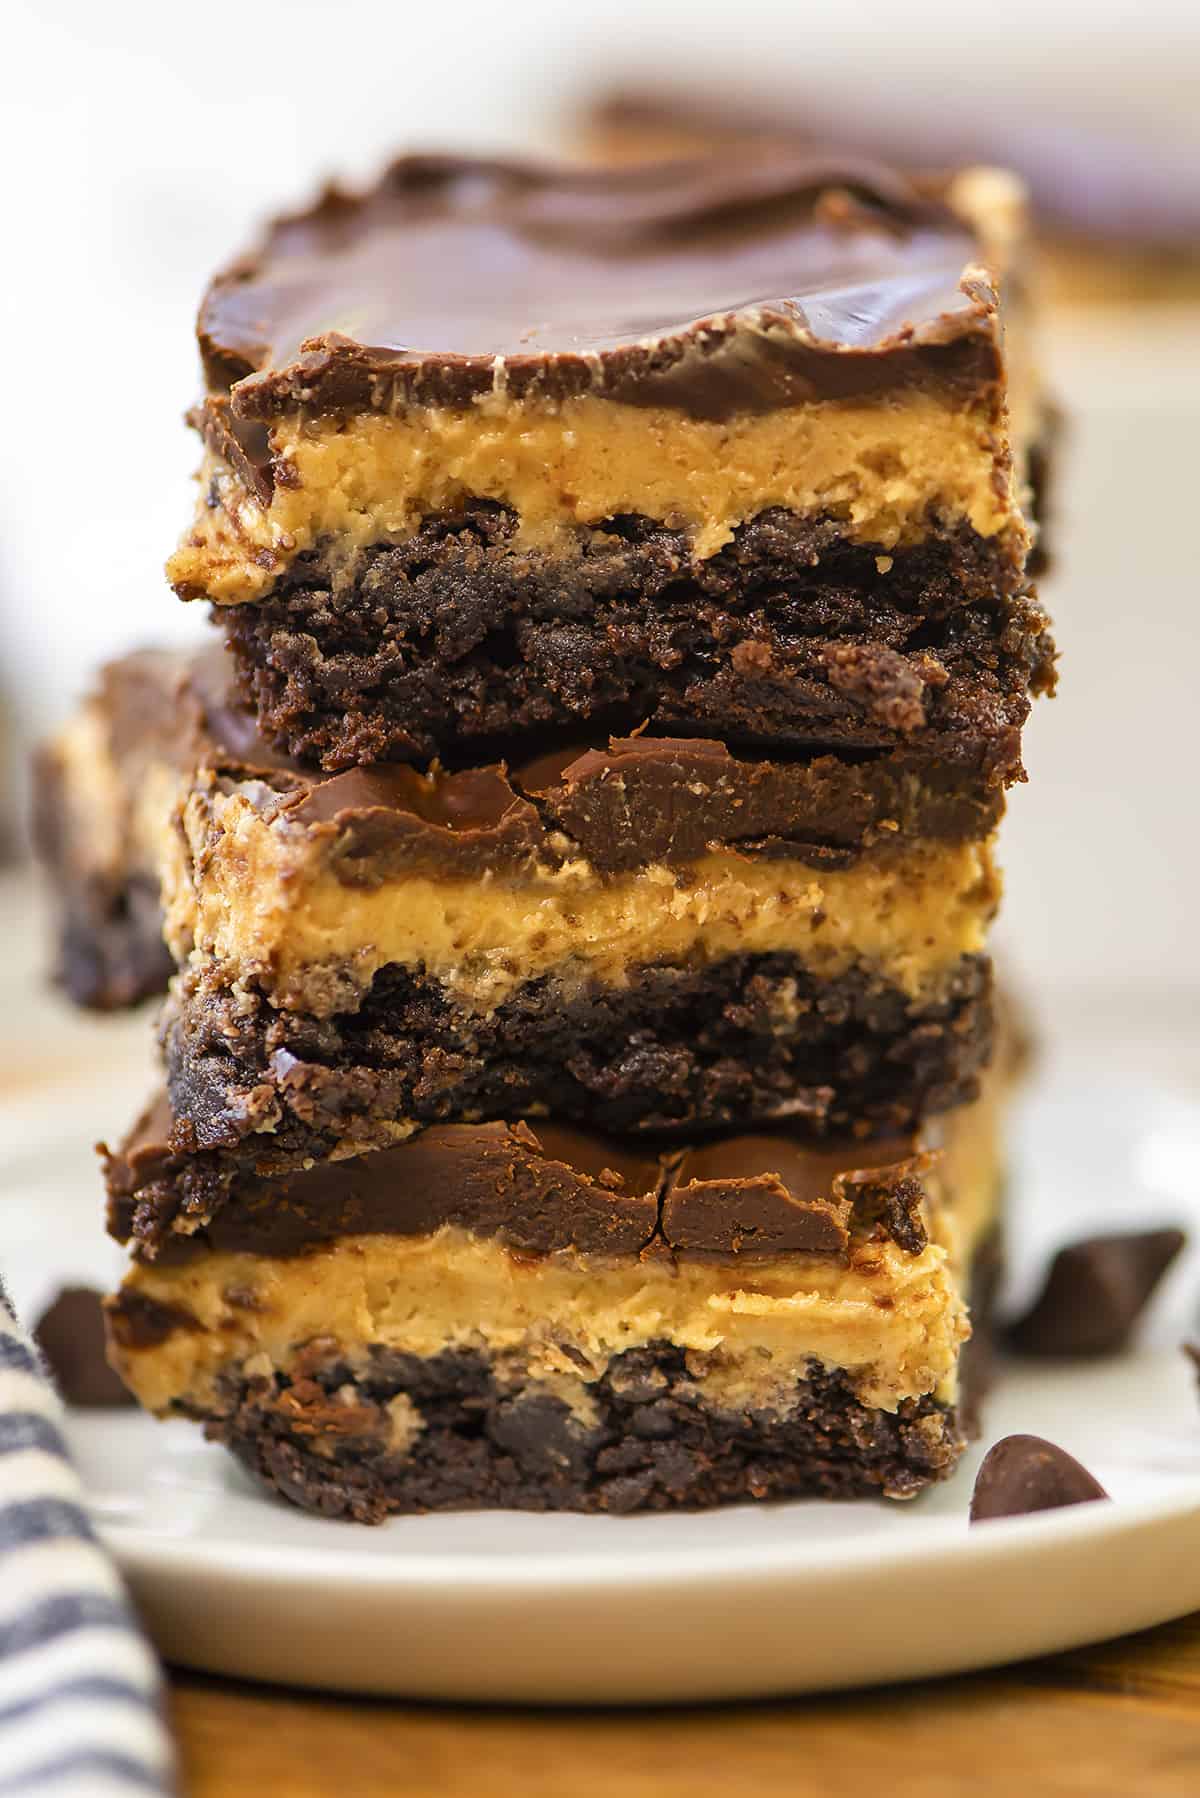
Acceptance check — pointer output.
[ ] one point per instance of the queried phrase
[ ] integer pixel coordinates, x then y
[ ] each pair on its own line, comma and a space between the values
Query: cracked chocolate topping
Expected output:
540, 1188
718, 286
761, 1195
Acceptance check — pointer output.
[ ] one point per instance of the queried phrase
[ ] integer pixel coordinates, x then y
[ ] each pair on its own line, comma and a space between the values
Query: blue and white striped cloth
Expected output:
80, 1691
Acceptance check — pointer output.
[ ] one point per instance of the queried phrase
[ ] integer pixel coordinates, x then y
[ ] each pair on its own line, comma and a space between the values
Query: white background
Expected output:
141, 142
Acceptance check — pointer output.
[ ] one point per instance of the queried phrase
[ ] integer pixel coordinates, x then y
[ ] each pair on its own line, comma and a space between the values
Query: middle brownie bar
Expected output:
643, 934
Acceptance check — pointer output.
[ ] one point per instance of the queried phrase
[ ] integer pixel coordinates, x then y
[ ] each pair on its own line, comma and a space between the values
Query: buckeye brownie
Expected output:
647, 934
528, 1315
740, 449
644, 933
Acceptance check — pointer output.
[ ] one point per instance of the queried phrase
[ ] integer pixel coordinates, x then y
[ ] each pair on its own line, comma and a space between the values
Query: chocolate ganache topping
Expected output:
712, 286
540, 1188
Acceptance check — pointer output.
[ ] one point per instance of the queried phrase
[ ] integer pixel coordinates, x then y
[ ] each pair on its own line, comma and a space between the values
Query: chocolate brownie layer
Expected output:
750, 1038
324, 1442
454, 637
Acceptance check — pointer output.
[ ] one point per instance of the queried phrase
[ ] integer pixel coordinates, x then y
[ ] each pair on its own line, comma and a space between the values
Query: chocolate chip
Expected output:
541, 1435
70, 1334
1094, 1294
1021, 1474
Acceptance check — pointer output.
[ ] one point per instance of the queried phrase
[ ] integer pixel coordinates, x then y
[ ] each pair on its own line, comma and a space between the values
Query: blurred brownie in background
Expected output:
1116, 206
105, 789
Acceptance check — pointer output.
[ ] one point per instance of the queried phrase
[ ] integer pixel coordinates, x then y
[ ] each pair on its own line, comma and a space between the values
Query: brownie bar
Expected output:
796, 519
374, 952
648, 933
529, 1315
285, 1040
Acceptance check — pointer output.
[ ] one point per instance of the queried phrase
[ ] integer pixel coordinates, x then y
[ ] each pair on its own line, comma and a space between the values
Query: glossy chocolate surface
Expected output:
716, 286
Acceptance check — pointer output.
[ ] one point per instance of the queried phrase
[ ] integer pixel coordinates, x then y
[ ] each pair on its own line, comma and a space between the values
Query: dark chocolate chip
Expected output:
1021, 1474
1094, 1294
541, 1435
70, 1334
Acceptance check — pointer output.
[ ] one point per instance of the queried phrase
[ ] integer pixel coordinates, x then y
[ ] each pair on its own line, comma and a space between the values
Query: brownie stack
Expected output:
582, 1084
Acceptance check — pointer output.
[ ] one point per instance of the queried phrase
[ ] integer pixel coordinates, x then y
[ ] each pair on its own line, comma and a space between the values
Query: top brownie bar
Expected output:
739, 447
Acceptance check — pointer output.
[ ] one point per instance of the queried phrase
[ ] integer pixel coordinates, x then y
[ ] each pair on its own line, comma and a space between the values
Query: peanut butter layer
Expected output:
885, 474
247, 896
894, 1321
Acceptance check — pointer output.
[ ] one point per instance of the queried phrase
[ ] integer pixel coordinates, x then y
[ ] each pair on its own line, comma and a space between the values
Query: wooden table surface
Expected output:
1119, 1719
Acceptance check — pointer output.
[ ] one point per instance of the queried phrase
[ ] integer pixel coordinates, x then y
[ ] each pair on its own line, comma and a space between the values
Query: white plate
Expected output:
740, 1602
746, 1601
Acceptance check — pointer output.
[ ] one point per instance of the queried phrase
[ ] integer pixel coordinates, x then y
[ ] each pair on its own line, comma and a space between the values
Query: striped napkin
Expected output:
80, 1691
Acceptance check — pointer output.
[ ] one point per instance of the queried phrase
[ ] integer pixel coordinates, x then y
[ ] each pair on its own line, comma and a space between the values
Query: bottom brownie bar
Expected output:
528, 1316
